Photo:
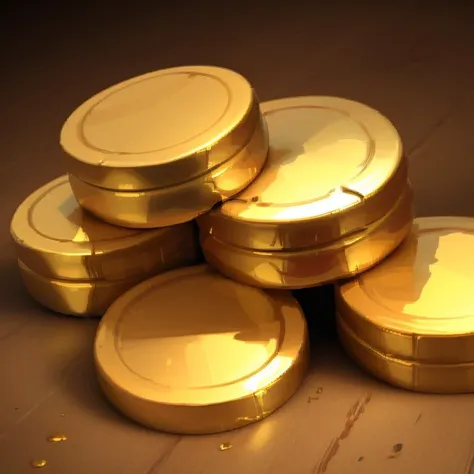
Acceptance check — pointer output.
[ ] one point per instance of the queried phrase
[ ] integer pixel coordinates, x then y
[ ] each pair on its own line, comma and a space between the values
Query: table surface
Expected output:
413, 64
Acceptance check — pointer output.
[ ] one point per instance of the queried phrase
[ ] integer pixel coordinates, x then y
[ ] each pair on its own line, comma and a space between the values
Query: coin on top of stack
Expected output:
410, 320
162, 148
192, 352
75, 264
332, 200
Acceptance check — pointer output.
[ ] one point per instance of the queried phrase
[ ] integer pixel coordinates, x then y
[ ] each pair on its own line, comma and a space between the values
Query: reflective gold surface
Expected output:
192, 352
161, 128
418, 304
180, 203
75, 298
334, 167
318, 265
411, 375
57, 239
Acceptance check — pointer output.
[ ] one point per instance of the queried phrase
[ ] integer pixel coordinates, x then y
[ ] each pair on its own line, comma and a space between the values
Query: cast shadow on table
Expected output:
331, 371
330, 368
18, 308
13, 295
318, 305
81, 386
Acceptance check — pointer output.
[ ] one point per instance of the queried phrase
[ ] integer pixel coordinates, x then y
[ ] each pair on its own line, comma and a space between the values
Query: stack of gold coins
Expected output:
410, 320
213, 355
289, 194
332, 201
162, 148
187, 350
75, 264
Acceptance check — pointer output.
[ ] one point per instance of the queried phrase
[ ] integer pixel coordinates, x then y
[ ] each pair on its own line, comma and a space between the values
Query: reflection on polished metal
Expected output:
192, 352
160, 129
75, 264
179, 203
75, 298
55, 238
347, 256
334, 167
417, 304
408, 374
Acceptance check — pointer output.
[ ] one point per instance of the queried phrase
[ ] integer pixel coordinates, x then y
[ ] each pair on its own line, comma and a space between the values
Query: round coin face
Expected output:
334, 167
193, 352
56, 238
160, 129
417, 303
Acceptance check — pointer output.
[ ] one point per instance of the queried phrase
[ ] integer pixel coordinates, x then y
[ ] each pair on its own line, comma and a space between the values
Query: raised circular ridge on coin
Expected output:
193, 352
160, 129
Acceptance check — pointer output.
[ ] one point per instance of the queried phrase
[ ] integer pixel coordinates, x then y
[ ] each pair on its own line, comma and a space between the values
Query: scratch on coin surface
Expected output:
418, 419
353, 416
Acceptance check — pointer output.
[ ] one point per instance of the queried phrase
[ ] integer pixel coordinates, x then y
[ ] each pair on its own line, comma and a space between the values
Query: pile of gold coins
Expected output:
190, 213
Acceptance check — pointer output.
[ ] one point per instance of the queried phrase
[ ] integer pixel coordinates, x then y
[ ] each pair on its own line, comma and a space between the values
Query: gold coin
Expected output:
160, 129
408, 374
305, 268
75, 298
181, 203
334, 167
57, 239
192, 352
417, 304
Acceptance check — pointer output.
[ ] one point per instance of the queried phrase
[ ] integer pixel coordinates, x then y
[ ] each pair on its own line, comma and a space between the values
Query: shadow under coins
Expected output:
318, 305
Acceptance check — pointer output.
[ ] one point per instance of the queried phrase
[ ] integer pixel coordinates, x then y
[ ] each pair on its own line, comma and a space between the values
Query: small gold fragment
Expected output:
225, 446
57, 438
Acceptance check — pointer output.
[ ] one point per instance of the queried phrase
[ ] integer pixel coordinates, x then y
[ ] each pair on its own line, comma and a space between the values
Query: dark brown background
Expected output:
414, 63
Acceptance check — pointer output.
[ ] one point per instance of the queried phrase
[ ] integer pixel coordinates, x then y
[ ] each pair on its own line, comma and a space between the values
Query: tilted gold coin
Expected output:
417, 304
408, 374
74, 297
192, 352
305, 268
160, 129
180, 203
335, 167
57, 239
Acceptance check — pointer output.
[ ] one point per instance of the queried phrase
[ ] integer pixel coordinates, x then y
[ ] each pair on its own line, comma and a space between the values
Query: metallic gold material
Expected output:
334, 167
418, 303
181, 203
192, 352
347, 256
411, 375
160, 129
75, 298
55, 238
